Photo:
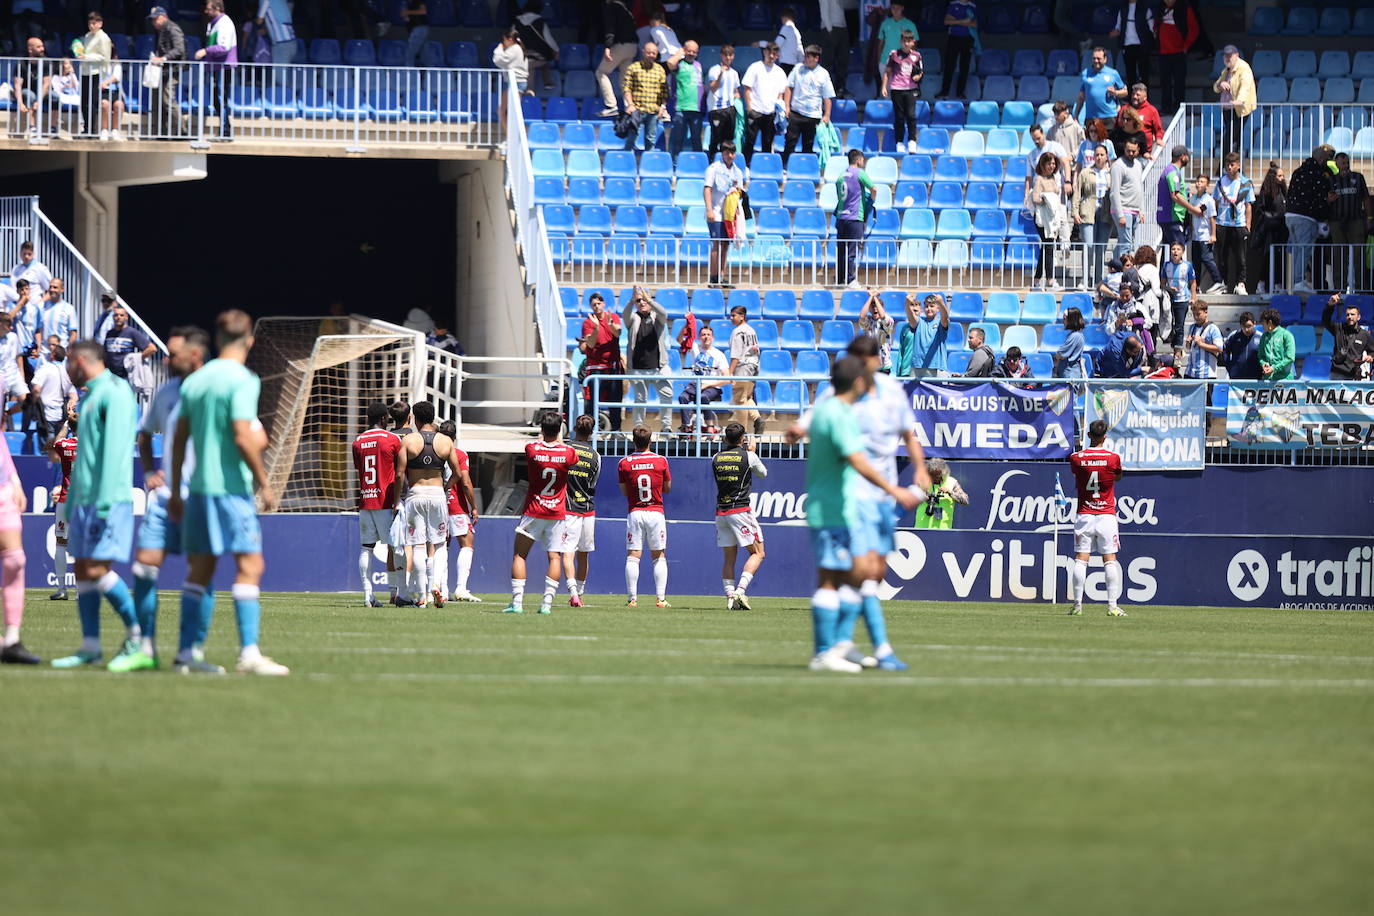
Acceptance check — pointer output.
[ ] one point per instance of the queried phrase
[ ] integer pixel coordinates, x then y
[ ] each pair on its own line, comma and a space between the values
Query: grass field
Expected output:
608, 760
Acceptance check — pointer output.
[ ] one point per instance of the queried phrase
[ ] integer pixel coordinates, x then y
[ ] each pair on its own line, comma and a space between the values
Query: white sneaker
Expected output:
829, 660
104, 136
1054, 287
911, 146
466, 596
261, 665
853, 654
855, 284
1303, 287
1241, 290
1216, 289
117, 136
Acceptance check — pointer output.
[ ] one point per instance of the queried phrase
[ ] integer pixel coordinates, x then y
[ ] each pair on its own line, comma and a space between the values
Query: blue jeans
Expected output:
646, 128
416, 40
685, 123
1095, 236
1302, 235
850, 234
1125, 235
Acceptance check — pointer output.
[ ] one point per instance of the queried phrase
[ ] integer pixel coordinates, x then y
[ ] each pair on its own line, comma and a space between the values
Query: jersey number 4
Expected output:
1093, 485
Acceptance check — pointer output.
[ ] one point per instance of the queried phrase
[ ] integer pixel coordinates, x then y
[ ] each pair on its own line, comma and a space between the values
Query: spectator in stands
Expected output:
1236, 87
64, 102
122, 341
722, 178
108, 301
1241, 352
854, 202
922, 348
1127, 127
1095, 134
1135, 27
1124, 355
1128, 195
1178, 30
28, 320
1233, 195
1012, 365
32, 81
1065, 131
1092, 213
1202, 232
600, 344
644, 91
762, 89
981, 363
14, 391
96, 48
647, 325
663, 35
901, 82
1203, 343
878, 324
1352, 213
1268, 228
1173, 204
689, 93
789, 40
222, 52
621, 41
744, 361
1179, 281
806, 102
31, 269
1050, 216
1040, 147
273, 19
708, 364
1277, 349
1161, 368
1150, 121
509, 55
169, 49
441, 338
722, 89
944, 494
59, 316
834, 41
112, 100
1352, 349
1068, 359
1310, 197
536, 38
1147, 276
961, 19
893, 30
52, 392
1100, 88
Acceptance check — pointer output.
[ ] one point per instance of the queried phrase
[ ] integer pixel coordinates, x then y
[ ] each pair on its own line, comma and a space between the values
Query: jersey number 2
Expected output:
550, 482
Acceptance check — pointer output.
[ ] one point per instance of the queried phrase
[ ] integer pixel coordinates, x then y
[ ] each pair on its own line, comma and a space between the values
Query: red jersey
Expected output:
549, 463
457, 499
374, 457
1096, 471
66, 452
644, 474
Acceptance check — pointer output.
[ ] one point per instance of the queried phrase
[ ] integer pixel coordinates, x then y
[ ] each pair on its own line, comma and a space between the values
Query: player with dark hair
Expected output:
462, 521
420, 465
374, 460
645, 480
734, 468
582, 478
546, 511
1096, 470
402, 425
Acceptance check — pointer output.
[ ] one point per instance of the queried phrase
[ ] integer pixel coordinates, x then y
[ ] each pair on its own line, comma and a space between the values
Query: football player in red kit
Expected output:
1096, 471
645, 480
545, 512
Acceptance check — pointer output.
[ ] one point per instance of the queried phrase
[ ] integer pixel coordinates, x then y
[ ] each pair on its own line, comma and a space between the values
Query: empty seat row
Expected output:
1308, 90
1306, 20
1299, 63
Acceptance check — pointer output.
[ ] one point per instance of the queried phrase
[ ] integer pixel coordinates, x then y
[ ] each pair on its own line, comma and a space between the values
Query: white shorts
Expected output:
1096, 534
426, 516
396, 535
374, 525
60, 524
646, 530
581, 533
459, 525
738, 529
549, 533
14, 384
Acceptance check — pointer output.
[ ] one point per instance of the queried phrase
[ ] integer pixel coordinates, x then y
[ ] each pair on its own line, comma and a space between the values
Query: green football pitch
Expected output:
614, 760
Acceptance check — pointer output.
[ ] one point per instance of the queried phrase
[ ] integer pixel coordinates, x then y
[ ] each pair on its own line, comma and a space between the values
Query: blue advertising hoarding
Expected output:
992, 420
1277, 415
1153, 426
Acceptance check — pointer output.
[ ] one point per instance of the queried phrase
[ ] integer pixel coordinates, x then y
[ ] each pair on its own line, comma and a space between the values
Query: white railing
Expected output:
502, 391
1286, 132
357, 107
1149, 232
1328, 268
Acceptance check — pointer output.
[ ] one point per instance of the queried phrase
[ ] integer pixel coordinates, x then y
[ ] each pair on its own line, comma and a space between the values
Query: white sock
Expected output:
729, 586
1080, 580
441, 569
581, 587
661, 577
517, 592
11, 634
550, 589
59, 566
1113, 583
632, 577
464, 567
250, 653
572, 584
744, 579
365, 571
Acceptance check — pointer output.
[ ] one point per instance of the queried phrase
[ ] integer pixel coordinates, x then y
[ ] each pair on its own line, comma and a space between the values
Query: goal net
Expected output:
318, 376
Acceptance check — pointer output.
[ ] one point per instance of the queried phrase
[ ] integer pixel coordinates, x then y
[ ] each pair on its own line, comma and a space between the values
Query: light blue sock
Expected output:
825, 610
117, 593
145, 598
248, 609
88, 609
849, 613
192, 597
207, 613
873, 613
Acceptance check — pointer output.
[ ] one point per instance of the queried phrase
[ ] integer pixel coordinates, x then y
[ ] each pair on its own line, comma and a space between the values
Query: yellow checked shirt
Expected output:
647, 86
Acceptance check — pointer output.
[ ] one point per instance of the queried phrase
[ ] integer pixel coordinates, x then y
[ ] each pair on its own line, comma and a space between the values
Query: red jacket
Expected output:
1171, 39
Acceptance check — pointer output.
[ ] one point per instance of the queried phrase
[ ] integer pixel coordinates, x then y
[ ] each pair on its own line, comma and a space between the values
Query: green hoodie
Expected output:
1276, 351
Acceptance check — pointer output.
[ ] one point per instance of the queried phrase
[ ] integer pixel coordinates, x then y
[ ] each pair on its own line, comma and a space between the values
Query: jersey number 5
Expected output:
370, 470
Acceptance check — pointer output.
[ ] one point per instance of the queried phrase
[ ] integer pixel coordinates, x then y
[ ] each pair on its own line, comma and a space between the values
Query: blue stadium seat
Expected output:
1022, 336
1364, 22
835, 335
804, 167
916, 168
619, 192
587, 164
1302, 20
1094, 337
965, 307
775, 364
1028, 62
813, 365
584, 192
773, 221
548, 191
1041, 364
358, 52
1300, 63
946, 194
1312, 310
632, 220
915, 254
948, 114
761, 194
1013, 196
767, 332
982, 195
878, 113
1272, 90
817, 305
1316, 367
573, 56
656, 192
967, 144
587, 249
579, 135
991, 332
932, 141
810, 223
392, 54
1003, 307
559, 220
474, 14
986, 254
886, 224
995, 89
987, 224
1306, 90
606, 139
543, 135
1339, 90
882, 170
1034, 89
798, 334
951, 168
779, 304
1018, 115
999, 20
546, 163
1333, 63
1040, 308
1061, 62
709, 303
658, 164
911, 194
749, 298
1268, 20
1052, 337
666, 220
691, 164
766, 165
982, 115
798, 194
789, 396
994, 61
674, 299
580, 84
1002, 142
956, 363
595, 219
844, 113
918, 223
1266, 62
325, 51
1304, 339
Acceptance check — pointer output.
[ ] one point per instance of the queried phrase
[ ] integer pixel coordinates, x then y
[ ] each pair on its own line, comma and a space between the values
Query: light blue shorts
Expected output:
875, 526
217, 525
158, 532
830, 546
90, 537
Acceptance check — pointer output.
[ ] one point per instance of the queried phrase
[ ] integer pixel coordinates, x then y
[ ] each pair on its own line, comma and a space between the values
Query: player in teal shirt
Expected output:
100, 510
219, 415
834, 462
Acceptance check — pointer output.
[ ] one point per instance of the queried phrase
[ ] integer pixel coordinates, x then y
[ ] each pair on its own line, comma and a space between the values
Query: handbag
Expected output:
624, 125
152, 76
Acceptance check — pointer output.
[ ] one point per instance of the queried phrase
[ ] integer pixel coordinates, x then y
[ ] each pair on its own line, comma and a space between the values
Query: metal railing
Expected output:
1286, 132
502, 391
357, 107
1325, 267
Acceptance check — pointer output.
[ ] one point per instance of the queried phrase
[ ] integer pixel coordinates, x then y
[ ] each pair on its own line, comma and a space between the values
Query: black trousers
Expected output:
903, 115
756, 126
803, 127
1173, 73
1232, 131
1137, 62
90, 104
957, 48
722, 122
1230, 250
835, 55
